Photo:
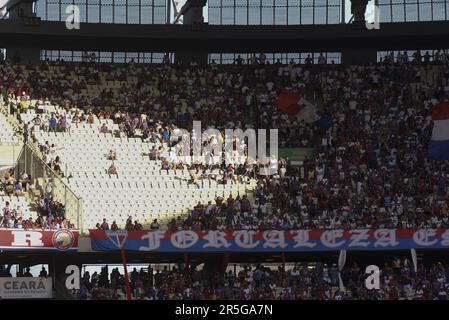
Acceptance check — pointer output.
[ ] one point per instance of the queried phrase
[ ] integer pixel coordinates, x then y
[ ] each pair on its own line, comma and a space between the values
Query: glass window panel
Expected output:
280, 12
119, 57
425, 11
293, 12
228, 15
83, 15
398, 13
106, 11
133, 14
411, 11
241, 12
159, 11
157, 57
307, 12
267, 12
119, 11
77, 56
254, 12
41, 9
146, 14
63, 8
53, 12
106, 57
439, 10
93, 10
130, 56
66, 55
385, 13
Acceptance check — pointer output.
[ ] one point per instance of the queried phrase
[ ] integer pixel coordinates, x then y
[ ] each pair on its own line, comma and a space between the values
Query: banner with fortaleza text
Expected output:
270, 241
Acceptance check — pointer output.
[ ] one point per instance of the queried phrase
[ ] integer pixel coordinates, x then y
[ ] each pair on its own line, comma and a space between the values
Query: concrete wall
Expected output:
358, 57
22, 54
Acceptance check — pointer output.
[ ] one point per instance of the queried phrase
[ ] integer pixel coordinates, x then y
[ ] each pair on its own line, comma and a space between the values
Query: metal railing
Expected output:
30, 161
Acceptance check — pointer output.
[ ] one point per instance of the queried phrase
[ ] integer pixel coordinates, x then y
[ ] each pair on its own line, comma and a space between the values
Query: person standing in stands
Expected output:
43, 273
153, 153
27, 273
37, 123
193, 176
25, 133
114, 226
48, 188
129, 225
52, 123
137, 225
104, 128
155, 225
6, 210
63, 123
112, 170
104, 226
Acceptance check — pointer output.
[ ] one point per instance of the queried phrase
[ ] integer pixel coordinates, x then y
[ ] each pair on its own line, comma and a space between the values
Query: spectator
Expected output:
155, 225
27, 273
104, 226
114, 226
112, 170
43, 273
112, 155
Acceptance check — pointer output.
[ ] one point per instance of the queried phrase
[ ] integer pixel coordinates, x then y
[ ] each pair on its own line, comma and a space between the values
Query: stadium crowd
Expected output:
399, 281
50, 213
370, 167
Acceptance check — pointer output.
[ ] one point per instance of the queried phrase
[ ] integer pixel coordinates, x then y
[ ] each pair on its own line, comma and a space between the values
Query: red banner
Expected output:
19, 239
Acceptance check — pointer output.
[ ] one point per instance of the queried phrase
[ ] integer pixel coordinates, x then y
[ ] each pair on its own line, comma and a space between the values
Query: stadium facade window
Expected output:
412, 10
105, 57
274, 12
381, 55
284, 58
106, 11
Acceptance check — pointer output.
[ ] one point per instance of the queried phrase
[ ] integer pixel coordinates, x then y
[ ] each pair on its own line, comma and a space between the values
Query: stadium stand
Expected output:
362, 169
6, 132
156, 193
328, 191
259, 282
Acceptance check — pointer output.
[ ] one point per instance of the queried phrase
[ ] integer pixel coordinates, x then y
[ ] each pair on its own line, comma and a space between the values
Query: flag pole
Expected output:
266, 177
127, 287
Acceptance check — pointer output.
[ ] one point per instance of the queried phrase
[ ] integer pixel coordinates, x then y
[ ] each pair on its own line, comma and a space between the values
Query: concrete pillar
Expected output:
192, 12
358, 57
358, 9
22, 54
21, 11
57, 268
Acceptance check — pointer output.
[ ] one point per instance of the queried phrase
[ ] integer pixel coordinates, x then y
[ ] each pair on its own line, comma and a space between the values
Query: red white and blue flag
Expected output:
117, 237
439, 143
296, 106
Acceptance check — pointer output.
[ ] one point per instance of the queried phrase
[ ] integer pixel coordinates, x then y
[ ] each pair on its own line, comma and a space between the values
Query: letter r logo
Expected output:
27, 239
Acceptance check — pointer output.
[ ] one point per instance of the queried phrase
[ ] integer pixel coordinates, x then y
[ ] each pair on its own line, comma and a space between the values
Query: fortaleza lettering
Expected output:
274, 240
186, 310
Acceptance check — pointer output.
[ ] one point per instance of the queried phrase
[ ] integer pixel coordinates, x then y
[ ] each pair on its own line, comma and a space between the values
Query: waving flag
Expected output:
295, 106
439, 144
288, 102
